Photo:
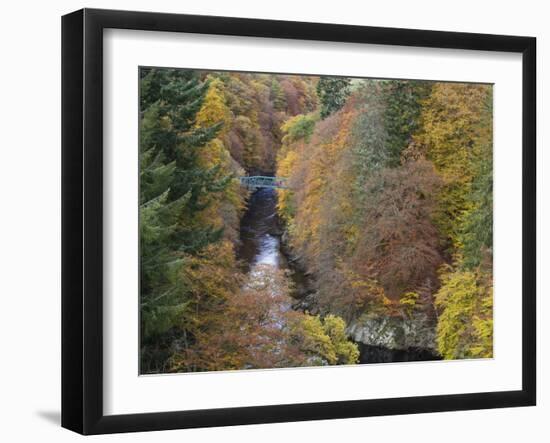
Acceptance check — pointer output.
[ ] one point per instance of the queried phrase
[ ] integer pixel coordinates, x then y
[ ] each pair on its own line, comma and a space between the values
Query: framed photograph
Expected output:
269, 221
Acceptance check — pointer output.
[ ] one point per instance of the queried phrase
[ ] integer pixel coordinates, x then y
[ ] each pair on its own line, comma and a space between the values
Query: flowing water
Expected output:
261, 232
260, 235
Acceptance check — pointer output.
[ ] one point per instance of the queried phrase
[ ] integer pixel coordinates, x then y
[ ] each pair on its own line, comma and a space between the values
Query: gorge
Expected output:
380, 340
295, 220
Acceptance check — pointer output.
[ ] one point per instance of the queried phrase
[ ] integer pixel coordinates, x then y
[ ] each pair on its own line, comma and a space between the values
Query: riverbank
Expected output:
263, 249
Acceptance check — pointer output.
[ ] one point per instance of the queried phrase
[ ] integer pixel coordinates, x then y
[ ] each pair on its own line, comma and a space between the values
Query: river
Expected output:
260, 237
260, 247
261, 232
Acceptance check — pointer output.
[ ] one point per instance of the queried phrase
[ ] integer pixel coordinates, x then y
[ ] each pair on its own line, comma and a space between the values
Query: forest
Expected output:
378, 247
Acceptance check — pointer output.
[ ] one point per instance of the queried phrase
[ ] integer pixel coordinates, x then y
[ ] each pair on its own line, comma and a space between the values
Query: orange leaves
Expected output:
256, 328
363, 228
313, 174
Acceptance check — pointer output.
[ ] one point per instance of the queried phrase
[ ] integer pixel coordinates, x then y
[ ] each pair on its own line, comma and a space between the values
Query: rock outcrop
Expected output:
400, 335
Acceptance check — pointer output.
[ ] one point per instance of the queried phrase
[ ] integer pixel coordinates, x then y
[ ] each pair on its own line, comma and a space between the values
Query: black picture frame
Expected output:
82, 218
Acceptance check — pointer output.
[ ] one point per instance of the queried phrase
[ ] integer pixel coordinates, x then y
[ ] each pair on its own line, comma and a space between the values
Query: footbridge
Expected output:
262, 181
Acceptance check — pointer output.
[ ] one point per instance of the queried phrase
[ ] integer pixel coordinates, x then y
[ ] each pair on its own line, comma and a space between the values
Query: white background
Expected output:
30, 222
126, 393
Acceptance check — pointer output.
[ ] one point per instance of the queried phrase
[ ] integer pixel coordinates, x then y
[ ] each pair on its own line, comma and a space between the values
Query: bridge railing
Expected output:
262, 181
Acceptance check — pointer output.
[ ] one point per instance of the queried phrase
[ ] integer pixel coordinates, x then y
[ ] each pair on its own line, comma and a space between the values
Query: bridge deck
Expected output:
262, 181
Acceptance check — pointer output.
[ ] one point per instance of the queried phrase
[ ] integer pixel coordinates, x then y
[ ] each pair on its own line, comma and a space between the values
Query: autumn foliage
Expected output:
388, 207
391, 207
199, 312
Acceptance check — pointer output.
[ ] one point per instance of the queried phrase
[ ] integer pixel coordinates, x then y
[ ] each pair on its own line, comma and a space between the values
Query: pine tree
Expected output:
402, 114
333, 93
173, 190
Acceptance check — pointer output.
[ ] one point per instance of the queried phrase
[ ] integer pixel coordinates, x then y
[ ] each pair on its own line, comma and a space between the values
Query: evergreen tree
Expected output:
477, 231
173, 187
402, 114
332, 93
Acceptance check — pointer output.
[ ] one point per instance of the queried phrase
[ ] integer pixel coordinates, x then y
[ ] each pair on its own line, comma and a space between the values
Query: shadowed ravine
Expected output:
261, 250
260, 231
368, 230
261, 244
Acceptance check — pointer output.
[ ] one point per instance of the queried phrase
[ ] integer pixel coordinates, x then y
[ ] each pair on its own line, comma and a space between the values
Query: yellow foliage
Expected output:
325, 340
450, 135
285, 169
214, 110
315, 341
224, 209
409, 301
465, 326
321, 155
